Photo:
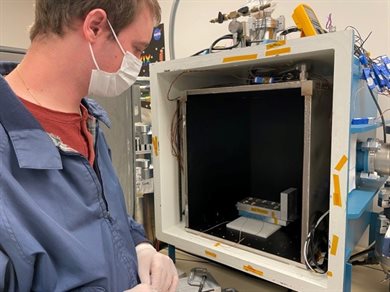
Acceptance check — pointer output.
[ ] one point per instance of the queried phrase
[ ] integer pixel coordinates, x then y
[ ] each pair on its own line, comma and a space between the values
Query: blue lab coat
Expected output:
63, 224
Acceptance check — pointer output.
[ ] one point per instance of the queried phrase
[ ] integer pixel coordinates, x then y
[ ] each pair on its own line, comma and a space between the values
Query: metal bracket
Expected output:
306, 87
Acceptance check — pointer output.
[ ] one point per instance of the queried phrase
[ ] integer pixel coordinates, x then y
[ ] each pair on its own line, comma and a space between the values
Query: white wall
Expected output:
15, 18
193, 31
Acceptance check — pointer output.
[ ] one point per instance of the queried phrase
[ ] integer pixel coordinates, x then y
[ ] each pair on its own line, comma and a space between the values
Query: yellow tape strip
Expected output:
277, 51
276, 221
251, 269
341, 163
240, 58
330, 274
335, 243
217, 244
155, 145
275, 44
337, 192
210, 254
260, 211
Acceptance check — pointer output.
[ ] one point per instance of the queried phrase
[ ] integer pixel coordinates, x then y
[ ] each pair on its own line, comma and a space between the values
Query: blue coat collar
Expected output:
33, 146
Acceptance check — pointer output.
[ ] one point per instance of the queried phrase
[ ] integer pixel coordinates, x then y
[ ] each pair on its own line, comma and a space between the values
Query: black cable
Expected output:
359, 50
210, 50
226, 48
365, 262
381, 115
200, 52
290, 30
361, 45
225, 37
314, 248
360, 253
313, 252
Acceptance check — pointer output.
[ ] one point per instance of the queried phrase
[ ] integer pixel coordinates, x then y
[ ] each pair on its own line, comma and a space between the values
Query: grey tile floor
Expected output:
364, 278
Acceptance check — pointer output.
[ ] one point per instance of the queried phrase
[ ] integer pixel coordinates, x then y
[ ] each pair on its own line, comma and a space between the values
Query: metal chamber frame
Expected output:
256, 140
330, 56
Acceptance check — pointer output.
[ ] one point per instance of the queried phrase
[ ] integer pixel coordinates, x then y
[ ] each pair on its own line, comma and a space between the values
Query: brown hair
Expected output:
54, 16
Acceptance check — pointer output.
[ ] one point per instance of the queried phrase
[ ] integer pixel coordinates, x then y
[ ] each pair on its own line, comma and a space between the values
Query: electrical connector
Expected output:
363, 121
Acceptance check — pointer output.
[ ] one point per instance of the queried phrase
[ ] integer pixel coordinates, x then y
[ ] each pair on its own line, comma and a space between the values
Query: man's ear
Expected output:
95, 24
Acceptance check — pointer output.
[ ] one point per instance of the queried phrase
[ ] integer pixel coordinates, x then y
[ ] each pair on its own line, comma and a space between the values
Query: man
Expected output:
63, 223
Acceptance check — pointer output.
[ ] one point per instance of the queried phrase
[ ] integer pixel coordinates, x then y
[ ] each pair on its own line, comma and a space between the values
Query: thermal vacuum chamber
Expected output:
244, 167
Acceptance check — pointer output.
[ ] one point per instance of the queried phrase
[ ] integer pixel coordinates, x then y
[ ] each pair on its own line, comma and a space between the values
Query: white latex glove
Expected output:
156, 269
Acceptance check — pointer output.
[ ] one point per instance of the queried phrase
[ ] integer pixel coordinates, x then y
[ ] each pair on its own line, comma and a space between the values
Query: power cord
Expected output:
213, 48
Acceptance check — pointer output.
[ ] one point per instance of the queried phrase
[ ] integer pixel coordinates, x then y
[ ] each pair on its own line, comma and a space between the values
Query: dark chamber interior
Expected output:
244, 144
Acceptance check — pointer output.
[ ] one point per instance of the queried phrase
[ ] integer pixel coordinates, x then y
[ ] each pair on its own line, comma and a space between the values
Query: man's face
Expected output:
134, 38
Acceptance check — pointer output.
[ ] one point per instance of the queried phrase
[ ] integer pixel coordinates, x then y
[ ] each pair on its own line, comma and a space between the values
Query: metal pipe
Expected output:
373, 156
382, 160
4, 49
171, 40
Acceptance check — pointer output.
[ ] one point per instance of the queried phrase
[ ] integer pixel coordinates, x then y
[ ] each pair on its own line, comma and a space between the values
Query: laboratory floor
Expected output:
364, 278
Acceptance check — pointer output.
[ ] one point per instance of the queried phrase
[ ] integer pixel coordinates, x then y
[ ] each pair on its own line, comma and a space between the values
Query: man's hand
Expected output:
156, 269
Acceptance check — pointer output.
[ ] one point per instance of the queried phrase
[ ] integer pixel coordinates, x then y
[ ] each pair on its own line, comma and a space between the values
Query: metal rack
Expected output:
11, 54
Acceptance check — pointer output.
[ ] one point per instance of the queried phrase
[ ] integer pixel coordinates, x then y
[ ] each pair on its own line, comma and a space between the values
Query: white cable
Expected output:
320, 219
305, 255
308, 240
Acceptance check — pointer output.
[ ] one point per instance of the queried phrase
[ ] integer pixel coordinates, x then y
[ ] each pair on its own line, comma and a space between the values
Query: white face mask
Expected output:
106, 84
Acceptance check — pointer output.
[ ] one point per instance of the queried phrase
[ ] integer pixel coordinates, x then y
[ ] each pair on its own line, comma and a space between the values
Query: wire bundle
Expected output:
177, 135
315, 248
376, 72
